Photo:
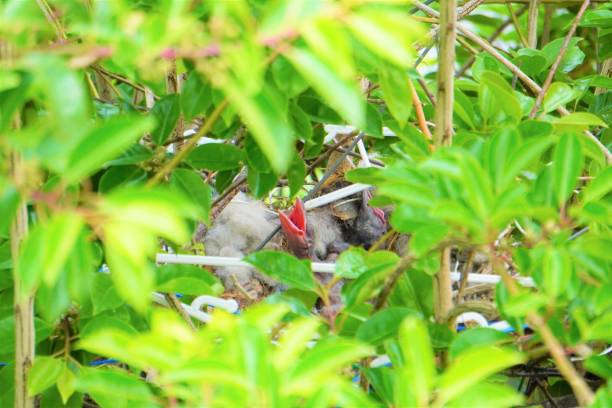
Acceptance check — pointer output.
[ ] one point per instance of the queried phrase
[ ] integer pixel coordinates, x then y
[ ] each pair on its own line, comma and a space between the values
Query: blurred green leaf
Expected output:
102, 144
105, 385
487, 395
266, 119
475, 338
417, 358
66, 384
12, 98
383, 325
385, 33
187, 280
557, 95
495, 95
578, 121
285, 268
599, 187
472, 367
340, 94
43, 374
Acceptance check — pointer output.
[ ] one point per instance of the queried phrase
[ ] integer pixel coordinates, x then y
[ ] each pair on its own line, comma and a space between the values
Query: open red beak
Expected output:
293, 225
378, 213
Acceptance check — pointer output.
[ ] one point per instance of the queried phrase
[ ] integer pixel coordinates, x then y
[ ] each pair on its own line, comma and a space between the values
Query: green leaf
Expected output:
599, 187
132, 155
285, 268
166, 112
108, 384
294, 341
328, 39
102, 144
567, 166
327, 356
427, 238
12, 98
188, 280
260, 183
472, 367
417, 357
527, 153
523, 303
255, 156
43, 374
356, 261
121, 175
30, 267
572, 58
216, 156
396, 92
296, 175
530, 61
340, 94
61, 234
557, 95
495, 96
67, 102
9, 201
286, 78
265, 117
475, 338
487, 395
387, 34
556, 272
597, 18
104, 294
370, 282
578, 121
191, 184
383, 325
66, 384
126, 248
196, 96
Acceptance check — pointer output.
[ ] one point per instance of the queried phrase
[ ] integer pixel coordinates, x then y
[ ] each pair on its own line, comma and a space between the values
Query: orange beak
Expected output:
293, 225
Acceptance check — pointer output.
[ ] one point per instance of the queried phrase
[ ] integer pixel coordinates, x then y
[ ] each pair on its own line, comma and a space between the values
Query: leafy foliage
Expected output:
97, 174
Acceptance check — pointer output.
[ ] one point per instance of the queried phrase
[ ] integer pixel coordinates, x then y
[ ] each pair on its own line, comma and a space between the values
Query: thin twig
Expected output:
190, 145
560, 54
517, 25
490, 39
532, 24
420, 114
176, 305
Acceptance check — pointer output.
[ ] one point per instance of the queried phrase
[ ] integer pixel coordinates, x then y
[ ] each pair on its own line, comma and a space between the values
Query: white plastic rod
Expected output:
226, 261
196, 314
335, 196
229, 305
322, 267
